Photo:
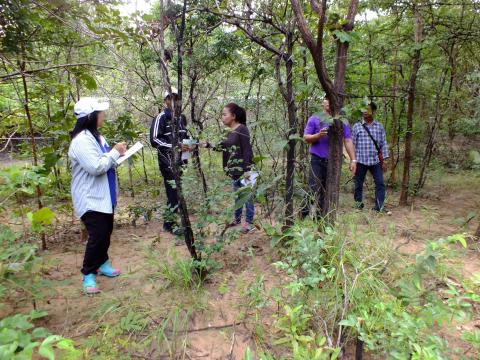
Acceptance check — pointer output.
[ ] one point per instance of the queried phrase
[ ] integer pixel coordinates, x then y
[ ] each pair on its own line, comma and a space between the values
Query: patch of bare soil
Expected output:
219, 330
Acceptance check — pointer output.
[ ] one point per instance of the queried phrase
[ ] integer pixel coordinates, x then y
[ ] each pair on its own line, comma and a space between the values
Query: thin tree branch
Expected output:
33, 71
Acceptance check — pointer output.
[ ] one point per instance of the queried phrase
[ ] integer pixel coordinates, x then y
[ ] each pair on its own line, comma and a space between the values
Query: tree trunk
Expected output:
411, 102
335, 91
427, 155
335, 136
32, 136
177, 109
394, 138
292, 129
196, 153
130, 179
144, 167
303, 149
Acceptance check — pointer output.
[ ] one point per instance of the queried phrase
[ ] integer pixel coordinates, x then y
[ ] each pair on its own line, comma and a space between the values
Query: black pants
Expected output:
317, 184
165, 165
99, 227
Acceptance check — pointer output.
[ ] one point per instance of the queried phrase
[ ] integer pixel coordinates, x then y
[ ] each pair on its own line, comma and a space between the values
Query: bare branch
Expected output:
33, 71
9, 139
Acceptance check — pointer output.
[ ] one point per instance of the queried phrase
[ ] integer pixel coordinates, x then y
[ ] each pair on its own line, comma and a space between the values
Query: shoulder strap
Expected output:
371, 137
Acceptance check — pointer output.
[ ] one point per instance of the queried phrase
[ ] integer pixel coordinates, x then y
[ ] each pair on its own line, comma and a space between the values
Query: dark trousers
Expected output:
99, 227
377, 173
165, 165
317, 184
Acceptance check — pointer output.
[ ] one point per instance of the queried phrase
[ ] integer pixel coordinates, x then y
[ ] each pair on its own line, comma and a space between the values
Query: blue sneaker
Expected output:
90, 284
107, 270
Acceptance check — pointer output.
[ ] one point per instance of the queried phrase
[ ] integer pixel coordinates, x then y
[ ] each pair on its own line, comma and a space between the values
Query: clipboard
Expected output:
131, 151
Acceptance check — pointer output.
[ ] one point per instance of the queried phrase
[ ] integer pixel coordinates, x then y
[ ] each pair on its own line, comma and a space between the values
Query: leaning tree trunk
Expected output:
411, 102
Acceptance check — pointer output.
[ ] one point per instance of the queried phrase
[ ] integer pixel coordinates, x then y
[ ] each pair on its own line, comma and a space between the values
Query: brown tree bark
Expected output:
32, 136
394, 137
196, 153
435, 125
335, 90
410, 109
477, 233
177, 109
292, 128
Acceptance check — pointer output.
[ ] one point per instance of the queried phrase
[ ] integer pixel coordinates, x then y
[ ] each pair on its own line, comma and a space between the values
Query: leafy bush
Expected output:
20, 339
346, 283
19, 266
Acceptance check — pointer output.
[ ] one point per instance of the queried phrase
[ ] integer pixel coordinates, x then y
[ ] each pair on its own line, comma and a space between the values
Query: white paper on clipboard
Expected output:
251, 180
137, 146
185, 155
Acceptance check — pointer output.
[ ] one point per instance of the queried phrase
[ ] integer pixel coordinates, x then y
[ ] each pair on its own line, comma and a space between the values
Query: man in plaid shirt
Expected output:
368, 156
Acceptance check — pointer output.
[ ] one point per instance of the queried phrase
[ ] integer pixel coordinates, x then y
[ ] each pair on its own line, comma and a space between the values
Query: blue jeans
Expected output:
241, 200
377, 173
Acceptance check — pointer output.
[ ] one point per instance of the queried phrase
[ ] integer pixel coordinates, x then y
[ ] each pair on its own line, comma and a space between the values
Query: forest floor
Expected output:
215, 320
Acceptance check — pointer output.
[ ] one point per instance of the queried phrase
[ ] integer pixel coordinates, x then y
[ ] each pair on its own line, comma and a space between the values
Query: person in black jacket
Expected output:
237, 159
161, 138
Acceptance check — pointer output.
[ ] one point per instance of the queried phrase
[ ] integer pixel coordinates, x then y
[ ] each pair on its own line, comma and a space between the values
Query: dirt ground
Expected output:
216, 321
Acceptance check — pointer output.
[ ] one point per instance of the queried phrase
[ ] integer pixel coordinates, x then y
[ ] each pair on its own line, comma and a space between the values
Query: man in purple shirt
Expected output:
316, 134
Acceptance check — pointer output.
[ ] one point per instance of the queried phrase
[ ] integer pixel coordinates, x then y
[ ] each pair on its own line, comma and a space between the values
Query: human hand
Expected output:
121, 148
186, 147
353, 168
323, 132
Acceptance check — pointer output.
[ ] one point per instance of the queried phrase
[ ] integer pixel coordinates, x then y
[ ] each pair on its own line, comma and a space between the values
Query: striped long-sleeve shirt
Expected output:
161, 130
89, 165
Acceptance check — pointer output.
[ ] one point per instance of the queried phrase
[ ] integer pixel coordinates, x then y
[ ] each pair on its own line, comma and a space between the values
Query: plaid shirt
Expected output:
365, 150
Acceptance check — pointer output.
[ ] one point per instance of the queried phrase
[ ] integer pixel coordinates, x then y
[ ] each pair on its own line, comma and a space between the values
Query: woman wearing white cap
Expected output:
94, 187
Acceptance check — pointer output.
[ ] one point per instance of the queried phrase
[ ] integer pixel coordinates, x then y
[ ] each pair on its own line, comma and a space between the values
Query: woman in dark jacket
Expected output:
237, 159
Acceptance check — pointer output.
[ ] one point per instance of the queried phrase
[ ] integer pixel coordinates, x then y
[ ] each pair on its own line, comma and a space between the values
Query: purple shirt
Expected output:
320, 147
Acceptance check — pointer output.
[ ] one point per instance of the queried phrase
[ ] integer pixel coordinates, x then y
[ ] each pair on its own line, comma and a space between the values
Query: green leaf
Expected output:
40, 332
342, 36
259, 158
458, 238
248, 354
46, 349
295, 137
89, 81
43, 216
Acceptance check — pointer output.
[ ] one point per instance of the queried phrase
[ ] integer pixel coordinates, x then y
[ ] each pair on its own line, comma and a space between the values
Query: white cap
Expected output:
88, 105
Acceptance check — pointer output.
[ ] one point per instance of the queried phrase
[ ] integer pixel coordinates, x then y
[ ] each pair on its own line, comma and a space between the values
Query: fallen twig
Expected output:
230, 355
216, 327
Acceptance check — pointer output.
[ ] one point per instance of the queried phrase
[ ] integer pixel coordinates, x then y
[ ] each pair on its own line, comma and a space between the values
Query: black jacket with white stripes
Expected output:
161, 136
